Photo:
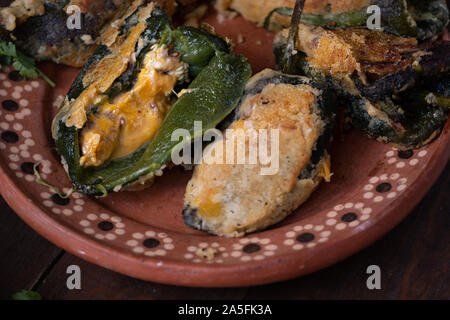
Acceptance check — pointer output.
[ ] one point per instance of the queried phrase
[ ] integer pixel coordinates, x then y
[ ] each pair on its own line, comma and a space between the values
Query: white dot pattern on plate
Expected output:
307, 236
206, 252
378, 190
103, 226
150, 243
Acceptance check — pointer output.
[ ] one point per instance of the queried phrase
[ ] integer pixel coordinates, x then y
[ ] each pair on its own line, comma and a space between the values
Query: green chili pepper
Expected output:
47, 36
413, 18
431, 17
433, 93
337, 20
432, 98
264, 94
383, 107
211, 96
196, 46
406, 119
396, 18
417, 126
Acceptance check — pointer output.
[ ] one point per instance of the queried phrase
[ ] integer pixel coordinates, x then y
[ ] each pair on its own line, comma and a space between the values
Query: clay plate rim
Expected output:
282, 267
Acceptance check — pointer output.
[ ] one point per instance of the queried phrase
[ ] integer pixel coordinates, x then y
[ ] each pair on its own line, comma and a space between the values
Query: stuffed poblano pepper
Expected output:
65, 31
424, 20
231, 198
115, 126
59, 30
371, 71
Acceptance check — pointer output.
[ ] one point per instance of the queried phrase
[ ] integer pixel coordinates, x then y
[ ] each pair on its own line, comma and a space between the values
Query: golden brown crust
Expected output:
75, 51
67, 53
378, 53
19, 11
372, 54
122, 124
234, 199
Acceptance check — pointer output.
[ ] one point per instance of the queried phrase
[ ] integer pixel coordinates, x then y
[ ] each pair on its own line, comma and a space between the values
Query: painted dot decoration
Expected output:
22, 158
28, 167
349, 217
57, 199
217, 253
305, 237
251, 248
105, 225
383, 187
15, 76
405, 154
10, 136
150, 243
302, 236
10, 105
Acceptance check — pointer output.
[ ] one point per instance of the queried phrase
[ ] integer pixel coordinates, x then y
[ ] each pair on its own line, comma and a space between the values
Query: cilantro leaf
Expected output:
7, 49
24, 70
27, 295
22, 63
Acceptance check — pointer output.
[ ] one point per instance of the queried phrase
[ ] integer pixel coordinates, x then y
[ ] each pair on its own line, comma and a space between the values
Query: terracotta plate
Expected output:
142, 234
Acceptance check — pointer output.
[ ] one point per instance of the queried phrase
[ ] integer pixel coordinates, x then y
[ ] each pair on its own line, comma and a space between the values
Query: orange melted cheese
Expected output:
324, 170
102, 75
208, 204
280, 106
120, 127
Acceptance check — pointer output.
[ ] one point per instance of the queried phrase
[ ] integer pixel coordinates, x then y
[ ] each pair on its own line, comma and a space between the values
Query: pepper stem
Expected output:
431, 98
437, 100
293, 35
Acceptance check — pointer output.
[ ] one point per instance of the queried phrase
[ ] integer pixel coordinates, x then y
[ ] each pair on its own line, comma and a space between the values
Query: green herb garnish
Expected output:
23, 64
26, 295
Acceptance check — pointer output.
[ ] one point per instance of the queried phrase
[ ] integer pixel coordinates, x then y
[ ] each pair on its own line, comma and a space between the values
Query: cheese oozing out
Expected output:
120, 127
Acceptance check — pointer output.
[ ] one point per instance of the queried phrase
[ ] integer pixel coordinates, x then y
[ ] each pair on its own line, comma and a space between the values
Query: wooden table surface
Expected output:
414, 260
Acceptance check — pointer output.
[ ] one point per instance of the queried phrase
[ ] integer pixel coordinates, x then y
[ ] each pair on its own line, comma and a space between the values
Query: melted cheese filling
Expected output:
324, 170
278, 106
121, 127
208, 203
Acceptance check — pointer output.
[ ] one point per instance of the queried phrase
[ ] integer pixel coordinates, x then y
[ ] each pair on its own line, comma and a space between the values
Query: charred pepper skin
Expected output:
324, 108
420, 120
337, 20
431, 17
424, 20
215, 93
48, 37
327, 109
40, 28
383, 108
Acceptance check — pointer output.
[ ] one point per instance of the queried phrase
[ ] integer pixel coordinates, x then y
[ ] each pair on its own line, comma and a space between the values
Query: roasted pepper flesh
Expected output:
115, 127
212, 96
118, 129
371, 82
233, 198
424, 20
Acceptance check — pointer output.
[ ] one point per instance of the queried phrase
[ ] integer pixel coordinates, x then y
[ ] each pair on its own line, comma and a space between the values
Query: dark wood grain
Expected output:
99, 283
414, 260
25, 256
